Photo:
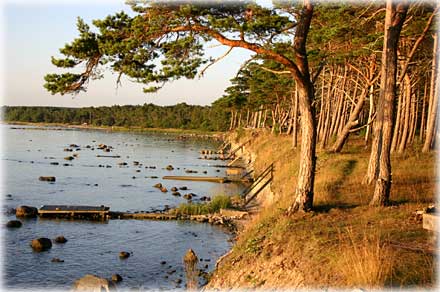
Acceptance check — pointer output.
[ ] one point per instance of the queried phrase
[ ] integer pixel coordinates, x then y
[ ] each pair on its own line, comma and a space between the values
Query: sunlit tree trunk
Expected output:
394, 19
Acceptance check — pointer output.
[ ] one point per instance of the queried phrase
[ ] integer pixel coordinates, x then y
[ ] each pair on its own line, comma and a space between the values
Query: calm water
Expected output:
93, 248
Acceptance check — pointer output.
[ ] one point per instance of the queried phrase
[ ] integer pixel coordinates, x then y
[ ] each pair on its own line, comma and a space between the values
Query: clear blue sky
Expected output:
33, 31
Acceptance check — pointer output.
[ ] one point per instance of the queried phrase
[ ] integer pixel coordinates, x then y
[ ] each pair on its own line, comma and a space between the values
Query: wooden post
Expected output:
190, 261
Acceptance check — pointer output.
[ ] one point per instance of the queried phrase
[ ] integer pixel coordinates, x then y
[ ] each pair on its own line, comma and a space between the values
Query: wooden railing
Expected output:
232, 153
267, 173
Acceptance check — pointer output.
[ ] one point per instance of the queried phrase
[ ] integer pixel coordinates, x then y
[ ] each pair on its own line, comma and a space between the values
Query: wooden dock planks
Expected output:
198, 178
74, 211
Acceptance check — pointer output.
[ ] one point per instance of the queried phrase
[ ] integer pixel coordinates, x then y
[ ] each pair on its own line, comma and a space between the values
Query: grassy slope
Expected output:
343, 243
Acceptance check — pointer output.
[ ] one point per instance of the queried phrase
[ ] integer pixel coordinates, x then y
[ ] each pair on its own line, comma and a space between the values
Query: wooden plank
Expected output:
73, 208
198, 178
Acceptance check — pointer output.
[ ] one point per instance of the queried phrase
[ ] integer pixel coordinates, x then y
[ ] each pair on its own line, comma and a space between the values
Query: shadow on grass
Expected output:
325, 208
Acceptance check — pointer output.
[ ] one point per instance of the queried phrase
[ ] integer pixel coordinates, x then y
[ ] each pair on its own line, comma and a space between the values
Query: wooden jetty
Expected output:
72, 211
199, 178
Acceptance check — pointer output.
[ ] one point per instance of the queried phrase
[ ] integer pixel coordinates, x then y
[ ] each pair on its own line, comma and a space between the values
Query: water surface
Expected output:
93, 247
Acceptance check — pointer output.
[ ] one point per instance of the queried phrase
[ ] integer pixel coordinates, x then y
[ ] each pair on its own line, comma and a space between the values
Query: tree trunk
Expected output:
398, 124
422, 119
394, 19
295, 120
307, 164
352, 121
433, 99
406, 120
370, 113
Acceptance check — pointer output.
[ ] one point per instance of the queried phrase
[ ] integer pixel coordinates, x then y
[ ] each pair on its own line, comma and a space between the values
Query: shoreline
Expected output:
183, 132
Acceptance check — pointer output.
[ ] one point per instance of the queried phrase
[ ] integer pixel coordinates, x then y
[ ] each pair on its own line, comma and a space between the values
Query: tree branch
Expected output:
417, 43
215, 61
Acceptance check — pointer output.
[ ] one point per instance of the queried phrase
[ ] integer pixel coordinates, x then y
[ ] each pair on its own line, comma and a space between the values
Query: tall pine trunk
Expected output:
433, 99
304, 192
394, 19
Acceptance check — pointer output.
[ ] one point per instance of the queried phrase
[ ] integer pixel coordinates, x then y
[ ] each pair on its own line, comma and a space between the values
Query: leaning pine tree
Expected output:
165, 41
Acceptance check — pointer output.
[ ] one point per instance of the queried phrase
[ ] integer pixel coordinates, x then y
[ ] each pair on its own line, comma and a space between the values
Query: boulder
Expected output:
177, 194
57, 260
13, 224
169, 167
187, 196
116, 278
158, 185
91, 283
60, 239
124, 255
174, 189
183, 188
54, 163
41, 244
69, 158
163, 189
47, 178
26, 211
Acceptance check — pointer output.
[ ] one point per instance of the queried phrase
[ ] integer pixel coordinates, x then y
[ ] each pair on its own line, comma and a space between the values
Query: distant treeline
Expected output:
180, 116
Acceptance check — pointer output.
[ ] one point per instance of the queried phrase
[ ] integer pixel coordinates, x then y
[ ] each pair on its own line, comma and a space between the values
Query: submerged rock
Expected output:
47, 178
169, 167
14, 224
158, 185
26, 211
60, 239
57, 260
41, 244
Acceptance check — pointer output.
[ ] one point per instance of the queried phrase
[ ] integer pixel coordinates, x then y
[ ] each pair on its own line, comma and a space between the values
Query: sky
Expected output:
33, 31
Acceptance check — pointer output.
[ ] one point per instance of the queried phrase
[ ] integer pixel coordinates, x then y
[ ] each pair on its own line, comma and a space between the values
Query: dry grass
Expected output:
368, 263
344, 243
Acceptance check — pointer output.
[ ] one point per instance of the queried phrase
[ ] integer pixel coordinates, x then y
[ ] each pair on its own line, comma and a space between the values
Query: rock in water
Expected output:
41, 244
26, 211
116, 278
47, 178
170, 167
92, 283
13, 224
60, 239
124, 255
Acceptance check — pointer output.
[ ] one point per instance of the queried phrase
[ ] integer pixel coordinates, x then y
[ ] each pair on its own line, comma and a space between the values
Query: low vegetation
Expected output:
344, 242
218, 202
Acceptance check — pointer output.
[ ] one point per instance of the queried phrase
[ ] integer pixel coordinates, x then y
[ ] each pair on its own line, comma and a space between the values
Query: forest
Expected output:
180, 116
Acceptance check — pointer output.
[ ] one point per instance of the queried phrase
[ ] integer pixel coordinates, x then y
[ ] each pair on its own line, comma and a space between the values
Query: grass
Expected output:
343, 243
218, 202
